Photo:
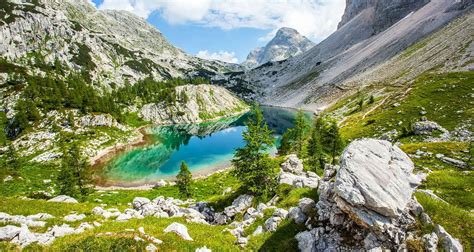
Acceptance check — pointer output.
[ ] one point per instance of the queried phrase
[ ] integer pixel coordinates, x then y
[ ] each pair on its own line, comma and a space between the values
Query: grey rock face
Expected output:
387, 11
117, 45
204, 102
371, 198
449, 243
431, 242
377, 176
292, 174
239, 205
286, 43
427, 127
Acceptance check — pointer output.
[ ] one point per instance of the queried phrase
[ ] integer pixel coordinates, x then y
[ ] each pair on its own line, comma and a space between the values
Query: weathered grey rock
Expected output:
280, 212
329, 171
292, 164
139, 202
271, 224
431, 242
427, 127
306, 241
123, 217
178, 229
209, 99
453, 161
375, 179
8, 232
306, 205
74, 217
63, 199
448, 242
425, 219
298, 181
297, 215
239, 205
24, 237
60, 231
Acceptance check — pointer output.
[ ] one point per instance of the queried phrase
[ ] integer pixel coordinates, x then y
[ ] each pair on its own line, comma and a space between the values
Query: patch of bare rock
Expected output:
368, 204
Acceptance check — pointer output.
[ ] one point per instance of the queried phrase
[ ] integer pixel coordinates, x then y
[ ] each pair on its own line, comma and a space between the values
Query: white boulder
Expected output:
179, 229
63, 199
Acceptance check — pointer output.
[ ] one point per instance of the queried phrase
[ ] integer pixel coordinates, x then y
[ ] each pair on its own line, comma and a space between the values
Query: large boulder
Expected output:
375, 181
370, 199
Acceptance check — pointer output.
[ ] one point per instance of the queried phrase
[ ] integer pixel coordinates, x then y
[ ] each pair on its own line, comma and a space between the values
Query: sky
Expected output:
228, 30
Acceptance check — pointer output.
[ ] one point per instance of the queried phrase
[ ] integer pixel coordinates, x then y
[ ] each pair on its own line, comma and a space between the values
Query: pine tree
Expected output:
294, 138
74, 178
286, 142
315, 148
335, 141
13, 163
184, 180
253, 166
300, 131
3, 126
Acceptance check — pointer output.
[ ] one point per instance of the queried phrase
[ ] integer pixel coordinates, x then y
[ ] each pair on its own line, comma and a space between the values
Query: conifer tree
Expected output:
315, 148
184, 180
253, 166
74, 177
335, 141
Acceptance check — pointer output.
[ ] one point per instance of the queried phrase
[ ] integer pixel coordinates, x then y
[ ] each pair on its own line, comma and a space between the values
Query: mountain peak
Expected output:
287, 42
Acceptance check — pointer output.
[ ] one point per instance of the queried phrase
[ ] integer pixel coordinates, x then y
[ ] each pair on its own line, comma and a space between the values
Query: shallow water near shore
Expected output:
205, 147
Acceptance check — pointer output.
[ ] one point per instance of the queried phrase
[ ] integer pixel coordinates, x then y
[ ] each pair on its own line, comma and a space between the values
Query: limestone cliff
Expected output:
197, 103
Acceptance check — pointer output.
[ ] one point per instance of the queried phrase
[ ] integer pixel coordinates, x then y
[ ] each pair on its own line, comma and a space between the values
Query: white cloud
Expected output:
221, 55
315, 19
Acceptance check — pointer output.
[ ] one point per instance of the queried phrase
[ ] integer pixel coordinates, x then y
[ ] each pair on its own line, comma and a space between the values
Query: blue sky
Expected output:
229, 29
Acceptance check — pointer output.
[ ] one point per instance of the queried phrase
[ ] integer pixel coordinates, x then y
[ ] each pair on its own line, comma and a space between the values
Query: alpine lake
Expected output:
205, 147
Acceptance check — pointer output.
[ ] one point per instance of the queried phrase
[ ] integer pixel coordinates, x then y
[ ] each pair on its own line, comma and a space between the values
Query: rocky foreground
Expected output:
365, 204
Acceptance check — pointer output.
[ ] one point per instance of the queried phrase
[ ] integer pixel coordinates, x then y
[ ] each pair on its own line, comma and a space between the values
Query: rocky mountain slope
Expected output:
359, 45
110, 46
197, 103
286, 43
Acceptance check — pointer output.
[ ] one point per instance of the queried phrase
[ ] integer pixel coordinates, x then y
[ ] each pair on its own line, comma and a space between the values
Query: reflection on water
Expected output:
201, 146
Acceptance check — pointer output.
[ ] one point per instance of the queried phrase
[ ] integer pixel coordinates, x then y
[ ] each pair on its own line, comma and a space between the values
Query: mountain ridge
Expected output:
286, 43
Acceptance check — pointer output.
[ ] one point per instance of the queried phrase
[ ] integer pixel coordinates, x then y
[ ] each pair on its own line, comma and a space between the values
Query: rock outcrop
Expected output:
286, 43
110, 46
370, 199
197, 103
292, 173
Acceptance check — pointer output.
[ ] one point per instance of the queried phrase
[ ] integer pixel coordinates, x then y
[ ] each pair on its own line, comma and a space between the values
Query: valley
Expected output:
114, 139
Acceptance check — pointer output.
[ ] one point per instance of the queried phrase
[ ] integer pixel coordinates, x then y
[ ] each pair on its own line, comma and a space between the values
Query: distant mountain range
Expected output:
286, 43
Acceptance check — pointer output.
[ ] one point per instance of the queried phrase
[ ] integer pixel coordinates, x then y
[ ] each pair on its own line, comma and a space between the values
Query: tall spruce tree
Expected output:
74, 177
335, 142
253, 166
184, 179
293, 140
315, 147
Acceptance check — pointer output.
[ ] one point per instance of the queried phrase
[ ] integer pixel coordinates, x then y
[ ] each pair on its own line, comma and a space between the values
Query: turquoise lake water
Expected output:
202, 146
